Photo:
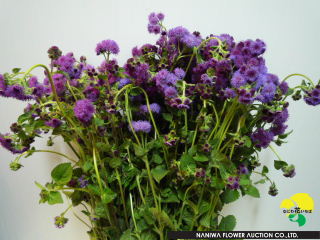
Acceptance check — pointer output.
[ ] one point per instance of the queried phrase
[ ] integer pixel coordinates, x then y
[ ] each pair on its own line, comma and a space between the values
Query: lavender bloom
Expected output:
180, 73
33, 82
123, 82
107, 46
154, 107
278, 129
246, 97
284, 87
313, 97
82, 181
141, 126
84, 110
3, 85
154, 22
238, 80
205, 79
65, 63
91, 93
191, 40
17, 91
233, 183
8, 144
170, 92
262, 138
281, 116
177, 34
54, 123
243, 169
229, 93
59, 81
267, 93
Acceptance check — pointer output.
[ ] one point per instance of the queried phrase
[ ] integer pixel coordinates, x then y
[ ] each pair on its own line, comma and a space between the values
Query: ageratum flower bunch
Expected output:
162, 143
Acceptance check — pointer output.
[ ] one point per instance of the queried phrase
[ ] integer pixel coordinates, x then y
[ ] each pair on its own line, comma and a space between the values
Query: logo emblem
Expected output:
297, 207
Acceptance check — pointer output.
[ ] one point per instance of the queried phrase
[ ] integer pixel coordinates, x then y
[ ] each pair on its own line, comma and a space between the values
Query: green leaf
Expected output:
159, 172
252, 191
139, 151
87, 166
54, 198
100, 210
108, 196
39, 185
265, 170
98, 122
167, 117
247, 141
261, 181
115, 162
206, 220
163, 217
227, 223
229, 196
126, 235
16, 70
62, 173
279, 164
187, 162
157, 159
244, 180
201, 158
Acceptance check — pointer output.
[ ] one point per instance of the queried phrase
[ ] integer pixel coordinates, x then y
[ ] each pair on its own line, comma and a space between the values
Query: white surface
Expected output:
28, 28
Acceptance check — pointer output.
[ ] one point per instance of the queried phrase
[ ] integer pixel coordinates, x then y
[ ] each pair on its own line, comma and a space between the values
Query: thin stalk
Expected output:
122, 198
301, 75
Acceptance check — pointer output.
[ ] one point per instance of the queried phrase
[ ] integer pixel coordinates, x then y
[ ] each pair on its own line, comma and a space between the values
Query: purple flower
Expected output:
177, 34
281, 116
84, 110
205, 79
238, 80
233, 183
107, 46
267, 93
246, 97
179, 73
3, 85
91, 93
262, 138
141, 126
191, 40
33, 82
154, 22
59, 81
154, 107
7, 143
229, 93
243, 169
123, 82
170, 92
83, 182
313, 97
17, 91
278, 129
284, 87
54, 123
154, 29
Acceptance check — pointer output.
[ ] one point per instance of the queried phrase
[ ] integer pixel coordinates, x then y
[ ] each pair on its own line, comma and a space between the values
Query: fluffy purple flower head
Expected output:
205, 79
284, 87
141, 126
281, 116
123, 82
246, 97
65, 63
170, 92
267, 93
243, 169
233, 183
313, 97
7, 143
262, 138
3, 84
154, 107
177, 34
180, 73
33, 82
91, 93
107, 46
278, 129
191, 40
54, 123
154, 29
229, 93
154, 22
59, 81
238, 80
17, 91
84, 110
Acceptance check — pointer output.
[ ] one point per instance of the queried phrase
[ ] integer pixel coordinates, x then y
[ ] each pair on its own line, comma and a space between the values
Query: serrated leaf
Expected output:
159, 173
62, 173
115, 162
167, 117
229, 196
227, 223
187, 162
157, 159
139, 151
163, 217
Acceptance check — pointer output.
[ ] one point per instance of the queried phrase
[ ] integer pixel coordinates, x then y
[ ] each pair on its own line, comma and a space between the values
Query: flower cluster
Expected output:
177, 128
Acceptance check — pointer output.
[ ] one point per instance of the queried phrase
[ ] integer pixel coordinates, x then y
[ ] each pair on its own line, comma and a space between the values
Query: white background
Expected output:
28, 28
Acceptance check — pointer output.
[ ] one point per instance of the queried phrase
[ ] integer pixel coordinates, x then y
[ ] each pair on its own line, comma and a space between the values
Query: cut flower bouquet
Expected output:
162, 143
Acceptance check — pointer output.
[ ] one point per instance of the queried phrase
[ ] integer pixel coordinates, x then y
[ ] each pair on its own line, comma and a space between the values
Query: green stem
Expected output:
122, 198
298, 74
275, 152
46, 151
